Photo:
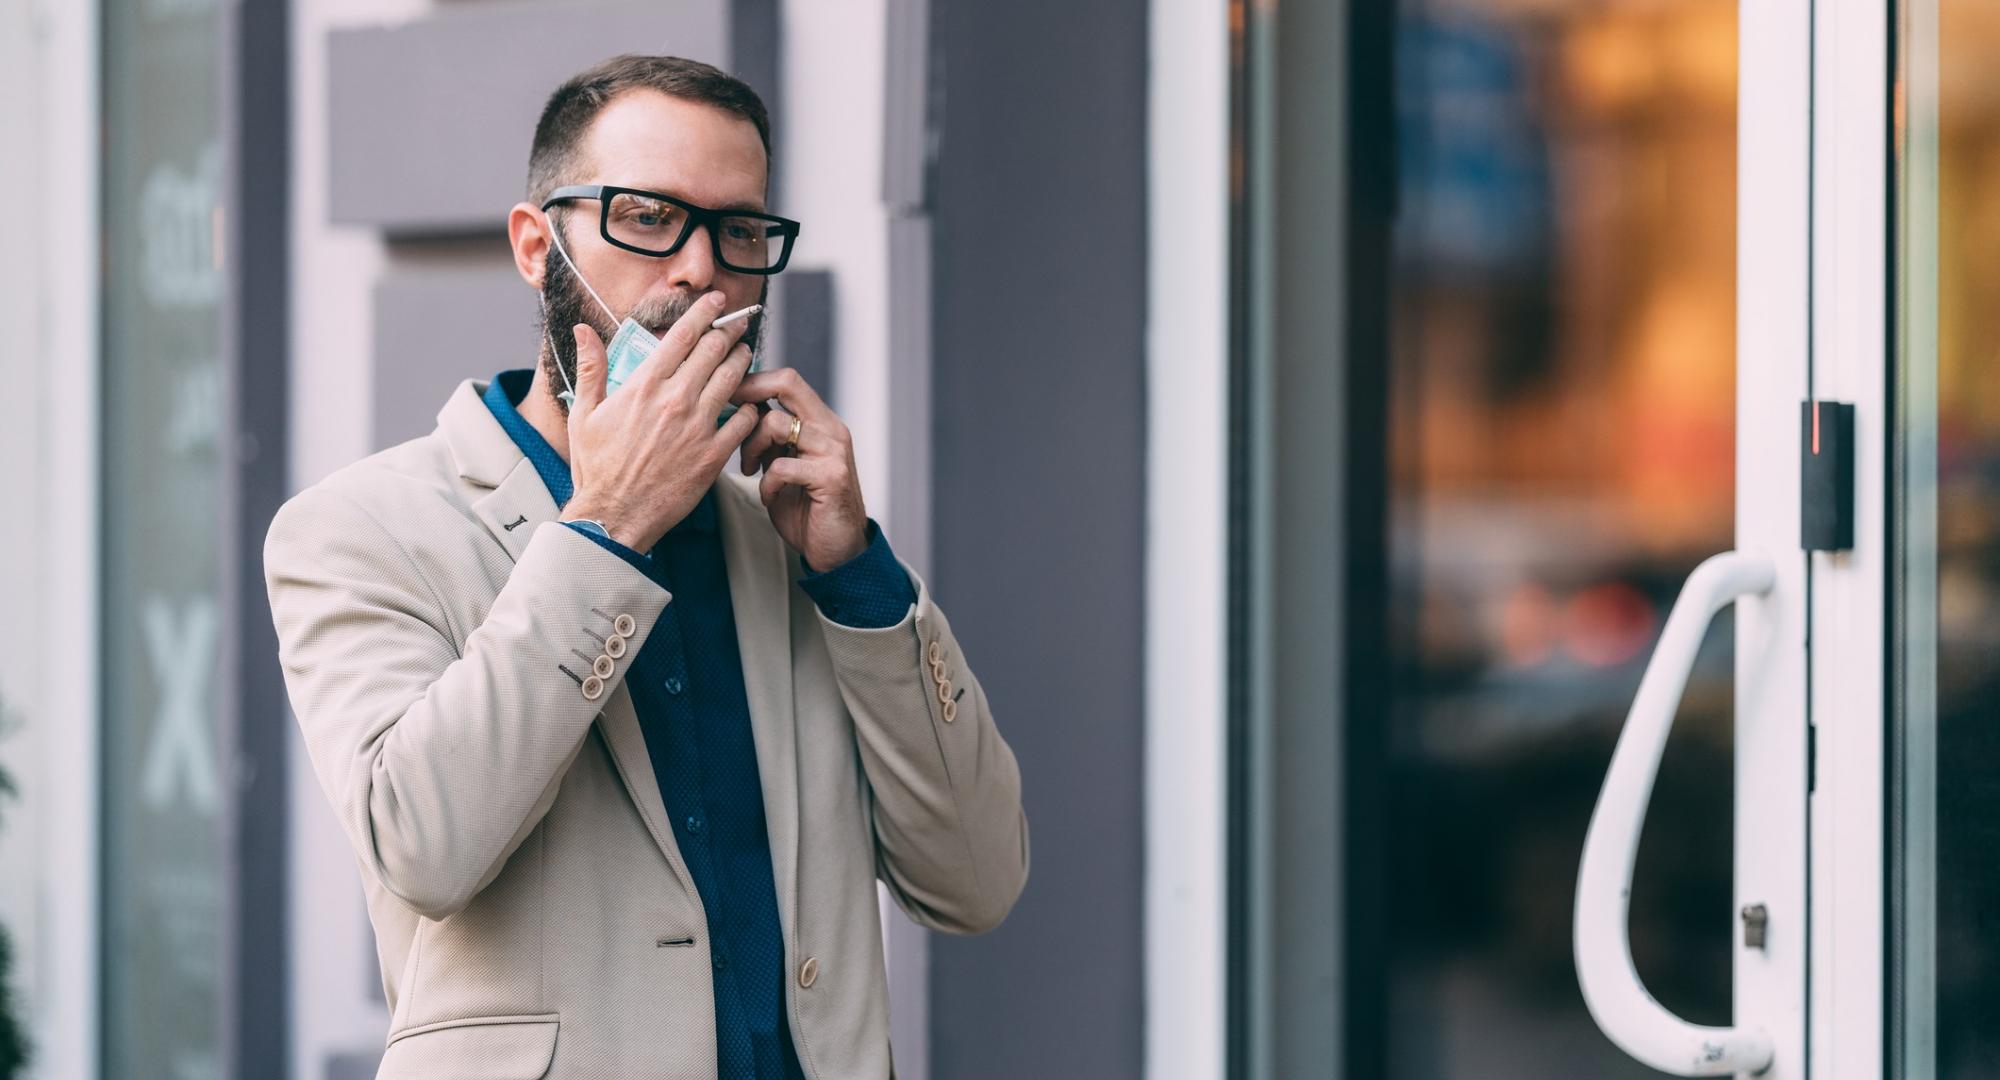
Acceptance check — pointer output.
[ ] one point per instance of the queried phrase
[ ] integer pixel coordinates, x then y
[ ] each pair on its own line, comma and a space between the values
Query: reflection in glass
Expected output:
1945, 517
1563, 429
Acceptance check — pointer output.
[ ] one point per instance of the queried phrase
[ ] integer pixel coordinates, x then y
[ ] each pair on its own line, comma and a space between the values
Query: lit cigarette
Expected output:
735, 315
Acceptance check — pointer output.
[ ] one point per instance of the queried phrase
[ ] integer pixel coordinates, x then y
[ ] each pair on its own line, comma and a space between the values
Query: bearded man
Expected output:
622, 741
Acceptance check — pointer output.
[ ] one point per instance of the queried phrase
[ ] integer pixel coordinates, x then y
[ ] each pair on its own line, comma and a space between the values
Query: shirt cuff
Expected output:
868, 592
643, 564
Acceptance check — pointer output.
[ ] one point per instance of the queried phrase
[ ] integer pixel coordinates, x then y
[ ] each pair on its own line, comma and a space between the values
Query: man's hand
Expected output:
814, 495
643, 459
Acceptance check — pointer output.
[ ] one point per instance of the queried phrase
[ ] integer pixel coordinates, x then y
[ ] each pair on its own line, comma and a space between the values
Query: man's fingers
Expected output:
769, 439
733, 431
709, 353
786, 471
722, 381
667, 357
792, 391
590, 372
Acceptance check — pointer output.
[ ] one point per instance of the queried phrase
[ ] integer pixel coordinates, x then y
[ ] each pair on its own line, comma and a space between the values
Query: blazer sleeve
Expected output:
951, 836
440, 762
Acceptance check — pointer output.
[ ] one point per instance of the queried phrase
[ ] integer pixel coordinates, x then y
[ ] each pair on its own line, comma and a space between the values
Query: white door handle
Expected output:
1618, 1000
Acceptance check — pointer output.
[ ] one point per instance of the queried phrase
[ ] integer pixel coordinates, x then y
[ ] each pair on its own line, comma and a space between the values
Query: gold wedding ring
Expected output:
792, 440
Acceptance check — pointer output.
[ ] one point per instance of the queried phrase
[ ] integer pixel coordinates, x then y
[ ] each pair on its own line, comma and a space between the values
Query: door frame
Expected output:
1773, 374
1852, 279
1187, 500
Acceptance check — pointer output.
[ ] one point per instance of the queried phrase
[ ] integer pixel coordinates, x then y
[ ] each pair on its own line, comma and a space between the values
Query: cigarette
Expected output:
735, 315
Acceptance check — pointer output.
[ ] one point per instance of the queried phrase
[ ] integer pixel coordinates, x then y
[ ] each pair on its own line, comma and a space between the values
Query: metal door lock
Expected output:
1755, 920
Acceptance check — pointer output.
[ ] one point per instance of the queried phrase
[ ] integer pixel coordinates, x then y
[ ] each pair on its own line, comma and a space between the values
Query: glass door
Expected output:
1766, 580
1669, 607
1899, 962
1572, 319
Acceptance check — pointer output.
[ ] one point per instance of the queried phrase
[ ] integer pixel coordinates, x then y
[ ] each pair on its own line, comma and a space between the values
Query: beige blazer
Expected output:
532, 912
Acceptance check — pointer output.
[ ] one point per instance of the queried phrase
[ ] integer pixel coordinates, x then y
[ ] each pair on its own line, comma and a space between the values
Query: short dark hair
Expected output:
576, 103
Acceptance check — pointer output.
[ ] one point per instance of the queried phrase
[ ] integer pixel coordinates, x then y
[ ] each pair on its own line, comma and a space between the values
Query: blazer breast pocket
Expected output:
475, 1048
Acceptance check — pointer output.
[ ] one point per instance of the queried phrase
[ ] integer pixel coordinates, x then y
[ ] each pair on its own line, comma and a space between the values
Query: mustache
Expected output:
662, 312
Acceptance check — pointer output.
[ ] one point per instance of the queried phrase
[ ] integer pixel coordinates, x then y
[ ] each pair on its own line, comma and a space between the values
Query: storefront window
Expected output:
163, 780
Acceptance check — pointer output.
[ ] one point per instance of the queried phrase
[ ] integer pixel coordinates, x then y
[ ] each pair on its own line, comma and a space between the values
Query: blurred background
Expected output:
1308, 432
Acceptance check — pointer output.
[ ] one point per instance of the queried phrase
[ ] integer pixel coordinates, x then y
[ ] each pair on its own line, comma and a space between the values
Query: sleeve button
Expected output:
602, 666
614, 646
593, 688
623, 625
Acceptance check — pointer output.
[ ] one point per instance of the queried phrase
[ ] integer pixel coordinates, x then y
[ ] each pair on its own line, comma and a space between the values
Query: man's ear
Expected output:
528, 234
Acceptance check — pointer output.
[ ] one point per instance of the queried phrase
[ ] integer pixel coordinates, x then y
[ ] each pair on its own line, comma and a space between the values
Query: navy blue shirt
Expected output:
687, 686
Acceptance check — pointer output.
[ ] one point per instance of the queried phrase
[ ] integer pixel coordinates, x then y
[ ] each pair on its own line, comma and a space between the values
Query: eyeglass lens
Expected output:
653, 225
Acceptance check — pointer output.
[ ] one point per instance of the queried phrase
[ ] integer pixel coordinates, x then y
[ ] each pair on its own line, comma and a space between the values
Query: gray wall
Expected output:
1038, 410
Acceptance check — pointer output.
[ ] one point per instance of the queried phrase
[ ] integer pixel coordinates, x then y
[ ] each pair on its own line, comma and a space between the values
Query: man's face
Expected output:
645, 139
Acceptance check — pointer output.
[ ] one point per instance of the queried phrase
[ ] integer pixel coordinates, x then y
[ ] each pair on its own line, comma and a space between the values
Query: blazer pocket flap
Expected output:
476, 1048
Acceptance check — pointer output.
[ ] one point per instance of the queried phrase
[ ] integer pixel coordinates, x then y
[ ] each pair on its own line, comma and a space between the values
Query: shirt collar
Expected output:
503, 397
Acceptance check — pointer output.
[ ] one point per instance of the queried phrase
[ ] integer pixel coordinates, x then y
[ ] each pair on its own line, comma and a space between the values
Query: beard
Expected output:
565, 303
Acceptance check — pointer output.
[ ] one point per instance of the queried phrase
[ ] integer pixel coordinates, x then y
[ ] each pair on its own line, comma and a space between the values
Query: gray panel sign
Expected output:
434, 328
431, 122
803, 303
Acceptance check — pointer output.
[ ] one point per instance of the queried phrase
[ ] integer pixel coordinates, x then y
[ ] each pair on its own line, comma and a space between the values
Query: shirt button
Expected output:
693, 824
721, 961
674, 684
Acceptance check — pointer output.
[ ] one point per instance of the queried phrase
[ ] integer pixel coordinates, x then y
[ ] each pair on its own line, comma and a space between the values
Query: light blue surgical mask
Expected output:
627, 349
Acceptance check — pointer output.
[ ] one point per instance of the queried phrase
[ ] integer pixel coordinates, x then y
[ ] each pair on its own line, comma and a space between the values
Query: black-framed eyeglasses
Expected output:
650, 223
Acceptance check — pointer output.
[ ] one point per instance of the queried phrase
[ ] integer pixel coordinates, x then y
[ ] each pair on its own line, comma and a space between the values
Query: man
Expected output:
623, 743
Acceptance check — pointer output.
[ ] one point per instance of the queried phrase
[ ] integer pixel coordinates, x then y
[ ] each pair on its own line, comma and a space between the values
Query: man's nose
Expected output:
693, 267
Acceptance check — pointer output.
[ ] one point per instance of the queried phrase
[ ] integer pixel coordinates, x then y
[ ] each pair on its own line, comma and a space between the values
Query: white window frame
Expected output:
64, 1017
1187, 400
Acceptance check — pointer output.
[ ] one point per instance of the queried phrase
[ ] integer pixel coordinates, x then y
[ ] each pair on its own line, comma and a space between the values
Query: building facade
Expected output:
1320, 420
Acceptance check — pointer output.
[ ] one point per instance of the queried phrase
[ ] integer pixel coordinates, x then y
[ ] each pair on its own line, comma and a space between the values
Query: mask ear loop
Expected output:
555, 234
568, 396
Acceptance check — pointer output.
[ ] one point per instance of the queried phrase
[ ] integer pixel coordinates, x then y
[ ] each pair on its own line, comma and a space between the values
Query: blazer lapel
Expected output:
513, 510
760, 596
518, 503
619, 725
